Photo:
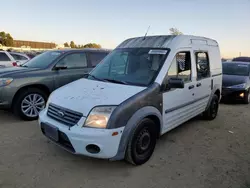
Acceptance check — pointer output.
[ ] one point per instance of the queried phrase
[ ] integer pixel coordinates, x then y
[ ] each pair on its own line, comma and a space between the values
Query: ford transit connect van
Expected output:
141, 90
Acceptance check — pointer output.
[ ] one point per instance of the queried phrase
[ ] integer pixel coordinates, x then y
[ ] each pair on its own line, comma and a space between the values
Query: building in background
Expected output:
33, 44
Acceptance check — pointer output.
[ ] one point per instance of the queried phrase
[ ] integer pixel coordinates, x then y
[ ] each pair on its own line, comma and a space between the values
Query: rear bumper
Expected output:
234, 94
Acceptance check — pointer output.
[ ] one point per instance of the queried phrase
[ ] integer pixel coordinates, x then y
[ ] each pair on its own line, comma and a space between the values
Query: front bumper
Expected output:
75, 139
6, 96
233, 93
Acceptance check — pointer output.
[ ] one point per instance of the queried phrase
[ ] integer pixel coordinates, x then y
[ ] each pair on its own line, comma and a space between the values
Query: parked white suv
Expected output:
6, 60
19, 57
143, 89
9, 59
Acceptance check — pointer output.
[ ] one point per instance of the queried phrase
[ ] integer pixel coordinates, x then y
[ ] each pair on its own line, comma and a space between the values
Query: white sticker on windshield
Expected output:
241, 65
55, 53
161, 52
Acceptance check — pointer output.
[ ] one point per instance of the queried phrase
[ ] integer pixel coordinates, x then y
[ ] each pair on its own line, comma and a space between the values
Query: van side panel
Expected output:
216, 68
216, 72
215, 61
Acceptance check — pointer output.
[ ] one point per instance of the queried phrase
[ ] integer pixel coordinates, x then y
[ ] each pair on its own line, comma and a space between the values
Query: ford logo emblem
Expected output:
60, 113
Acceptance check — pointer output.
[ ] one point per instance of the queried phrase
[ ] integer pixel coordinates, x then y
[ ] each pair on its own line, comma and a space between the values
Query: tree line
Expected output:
6, 39
89, 45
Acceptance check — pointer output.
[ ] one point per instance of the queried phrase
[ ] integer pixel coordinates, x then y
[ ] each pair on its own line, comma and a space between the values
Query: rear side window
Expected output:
202, 65
181, 67
4, 57
18, 57
96, 58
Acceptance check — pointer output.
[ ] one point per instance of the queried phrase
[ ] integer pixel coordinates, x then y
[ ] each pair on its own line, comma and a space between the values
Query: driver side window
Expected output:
75, 60
181, 67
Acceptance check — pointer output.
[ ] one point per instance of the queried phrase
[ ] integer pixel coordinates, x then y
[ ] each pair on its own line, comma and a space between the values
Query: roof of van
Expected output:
164, 41
83, 49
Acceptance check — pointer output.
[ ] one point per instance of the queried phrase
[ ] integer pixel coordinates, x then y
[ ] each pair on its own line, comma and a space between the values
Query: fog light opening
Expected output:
92, 148
242, 95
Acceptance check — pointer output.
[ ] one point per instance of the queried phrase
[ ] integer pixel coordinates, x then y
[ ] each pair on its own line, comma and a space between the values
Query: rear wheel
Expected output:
142, 142
247, 97
29, 103
212, 111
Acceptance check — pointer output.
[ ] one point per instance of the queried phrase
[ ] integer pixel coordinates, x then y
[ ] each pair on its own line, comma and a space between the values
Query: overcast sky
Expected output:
109, 22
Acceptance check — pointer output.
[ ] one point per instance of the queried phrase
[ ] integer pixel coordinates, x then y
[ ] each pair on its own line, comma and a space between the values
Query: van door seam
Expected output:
186, 104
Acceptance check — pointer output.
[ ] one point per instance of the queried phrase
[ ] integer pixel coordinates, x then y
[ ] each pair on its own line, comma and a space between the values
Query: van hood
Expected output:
83, 95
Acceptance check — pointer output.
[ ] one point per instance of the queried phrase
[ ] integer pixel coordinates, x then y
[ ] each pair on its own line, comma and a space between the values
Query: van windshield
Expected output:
132, 66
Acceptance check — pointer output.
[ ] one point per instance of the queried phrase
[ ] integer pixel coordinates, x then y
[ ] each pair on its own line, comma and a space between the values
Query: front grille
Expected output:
63, 115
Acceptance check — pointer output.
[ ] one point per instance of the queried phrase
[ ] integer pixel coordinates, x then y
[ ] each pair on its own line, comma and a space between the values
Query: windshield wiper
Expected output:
23, 66
108, 80
116, 81
95, 77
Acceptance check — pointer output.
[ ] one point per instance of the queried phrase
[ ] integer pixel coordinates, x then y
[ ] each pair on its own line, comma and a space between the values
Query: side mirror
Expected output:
85, 75
175, 83
60, 67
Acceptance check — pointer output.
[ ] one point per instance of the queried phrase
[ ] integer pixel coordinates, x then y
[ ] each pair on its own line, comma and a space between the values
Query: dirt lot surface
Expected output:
197, 154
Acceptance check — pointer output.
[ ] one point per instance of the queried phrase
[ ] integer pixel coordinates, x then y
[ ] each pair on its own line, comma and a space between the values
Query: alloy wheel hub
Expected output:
32, 104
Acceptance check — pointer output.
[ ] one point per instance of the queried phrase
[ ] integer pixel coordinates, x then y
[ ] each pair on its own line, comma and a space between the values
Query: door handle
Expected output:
191, 87
198, 85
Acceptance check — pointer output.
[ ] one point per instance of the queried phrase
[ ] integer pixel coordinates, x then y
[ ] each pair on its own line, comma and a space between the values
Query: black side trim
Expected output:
150, 96
186, 104
217, 74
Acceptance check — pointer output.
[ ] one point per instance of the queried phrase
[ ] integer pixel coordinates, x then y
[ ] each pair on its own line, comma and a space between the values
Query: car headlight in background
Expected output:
238, 86
99, 116
5, 81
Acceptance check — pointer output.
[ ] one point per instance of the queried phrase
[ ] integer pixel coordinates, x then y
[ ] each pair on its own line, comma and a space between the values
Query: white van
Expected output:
141, 90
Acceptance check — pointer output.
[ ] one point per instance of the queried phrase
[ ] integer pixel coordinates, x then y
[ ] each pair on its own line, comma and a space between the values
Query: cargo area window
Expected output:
181, 67
202, 65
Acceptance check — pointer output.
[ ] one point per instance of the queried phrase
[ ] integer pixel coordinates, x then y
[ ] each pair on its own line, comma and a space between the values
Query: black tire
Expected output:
142, 142
247, 97
16, 107
212, 111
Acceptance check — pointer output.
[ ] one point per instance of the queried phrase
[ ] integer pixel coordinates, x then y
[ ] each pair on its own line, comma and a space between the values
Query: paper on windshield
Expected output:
160, 52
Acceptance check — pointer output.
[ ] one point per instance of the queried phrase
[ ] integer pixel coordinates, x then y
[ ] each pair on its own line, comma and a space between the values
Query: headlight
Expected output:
99, 116
238, 86
5, 81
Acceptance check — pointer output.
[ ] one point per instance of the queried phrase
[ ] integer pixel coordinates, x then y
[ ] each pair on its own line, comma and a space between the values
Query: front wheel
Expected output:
142, 142
212, 111
29, 103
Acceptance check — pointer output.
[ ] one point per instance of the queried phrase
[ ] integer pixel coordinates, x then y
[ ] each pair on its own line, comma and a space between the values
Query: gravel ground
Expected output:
197, 154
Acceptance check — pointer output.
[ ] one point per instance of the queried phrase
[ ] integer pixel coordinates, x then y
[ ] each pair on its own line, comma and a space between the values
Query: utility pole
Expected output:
240, 54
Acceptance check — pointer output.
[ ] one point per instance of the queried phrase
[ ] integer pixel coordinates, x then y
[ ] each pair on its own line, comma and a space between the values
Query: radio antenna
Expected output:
146, 33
